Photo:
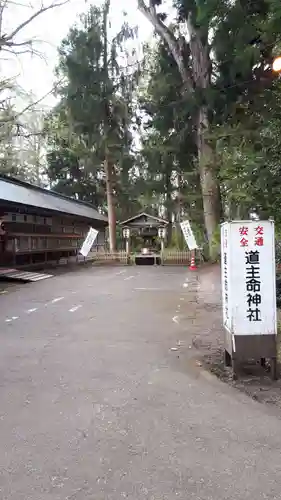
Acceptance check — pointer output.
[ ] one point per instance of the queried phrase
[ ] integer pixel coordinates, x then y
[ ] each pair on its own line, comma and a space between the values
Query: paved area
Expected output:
98, 403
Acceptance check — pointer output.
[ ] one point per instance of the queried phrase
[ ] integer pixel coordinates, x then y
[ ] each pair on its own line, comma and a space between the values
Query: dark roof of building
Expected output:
158, 220
19, 192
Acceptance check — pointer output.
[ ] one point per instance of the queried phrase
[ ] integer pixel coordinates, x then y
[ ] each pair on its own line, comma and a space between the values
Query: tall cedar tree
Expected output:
167, 142
192, 56
94, 139
223, 50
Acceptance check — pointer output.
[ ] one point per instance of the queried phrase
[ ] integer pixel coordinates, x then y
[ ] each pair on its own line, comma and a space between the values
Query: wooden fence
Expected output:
176, 257
168, 258
108, 257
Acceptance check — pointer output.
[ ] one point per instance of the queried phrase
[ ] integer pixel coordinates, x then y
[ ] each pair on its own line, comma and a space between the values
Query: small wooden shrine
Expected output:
145, 231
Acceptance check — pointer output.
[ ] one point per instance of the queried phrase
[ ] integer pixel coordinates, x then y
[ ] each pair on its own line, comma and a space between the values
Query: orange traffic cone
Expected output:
192, 266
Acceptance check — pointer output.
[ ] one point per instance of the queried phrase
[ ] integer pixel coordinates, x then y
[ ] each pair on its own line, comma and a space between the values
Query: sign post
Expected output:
89, 241
126, 235
161, 235
190, 241
249, 291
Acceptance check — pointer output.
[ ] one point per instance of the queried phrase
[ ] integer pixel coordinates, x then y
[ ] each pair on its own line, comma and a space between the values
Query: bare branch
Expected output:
29, 50
168, 36
13, 118
18, 4
7, 40
19, 44
26, 135
2, 8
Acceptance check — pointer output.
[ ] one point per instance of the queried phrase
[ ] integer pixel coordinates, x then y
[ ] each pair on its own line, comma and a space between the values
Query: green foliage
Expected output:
105, 110
94, 117
246, 108
249, 155
168, 152
243, 100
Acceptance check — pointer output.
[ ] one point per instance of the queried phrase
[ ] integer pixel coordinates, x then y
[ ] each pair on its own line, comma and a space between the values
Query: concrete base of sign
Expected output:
241, 348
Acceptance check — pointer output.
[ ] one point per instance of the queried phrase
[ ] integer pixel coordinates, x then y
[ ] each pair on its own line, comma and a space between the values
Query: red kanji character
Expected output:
259, 241
243, 231
259, 230
243, 242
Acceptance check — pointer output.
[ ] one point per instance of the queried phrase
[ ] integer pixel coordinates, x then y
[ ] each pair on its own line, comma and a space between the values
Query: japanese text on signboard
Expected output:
253, 285
244, 236
225, 273
253, 274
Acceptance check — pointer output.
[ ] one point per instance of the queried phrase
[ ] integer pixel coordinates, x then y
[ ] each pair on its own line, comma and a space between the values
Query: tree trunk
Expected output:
180, 242
110, 204
209, 183
108, 168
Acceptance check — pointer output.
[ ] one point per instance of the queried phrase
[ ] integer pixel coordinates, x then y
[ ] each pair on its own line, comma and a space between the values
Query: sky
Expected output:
36, 74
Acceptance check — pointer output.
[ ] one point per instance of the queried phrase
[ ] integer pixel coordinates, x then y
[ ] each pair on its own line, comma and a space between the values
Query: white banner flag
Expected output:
188, 235
88, 243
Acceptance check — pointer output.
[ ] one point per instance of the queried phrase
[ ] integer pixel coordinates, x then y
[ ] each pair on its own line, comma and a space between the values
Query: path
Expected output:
96, 406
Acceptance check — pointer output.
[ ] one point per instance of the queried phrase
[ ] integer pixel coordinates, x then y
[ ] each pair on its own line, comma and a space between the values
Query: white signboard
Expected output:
88, 243
226, 304
248, 277
188, 235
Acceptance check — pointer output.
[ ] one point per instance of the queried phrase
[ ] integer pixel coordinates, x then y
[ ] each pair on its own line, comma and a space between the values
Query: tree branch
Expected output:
7, 40
18, 44
28, 135
28, 50
11, 119
167, 35
2, 8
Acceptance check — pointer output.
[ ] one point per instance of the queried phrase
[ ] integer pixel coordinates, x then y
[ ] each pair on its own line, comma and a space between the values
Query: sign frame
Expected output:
248, 277
88, 242
188, 235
